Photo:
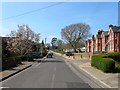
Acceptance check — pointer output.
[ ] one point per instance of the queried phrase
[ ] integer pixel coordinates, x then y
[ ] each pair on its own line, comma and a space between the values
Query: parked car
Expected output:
49, 55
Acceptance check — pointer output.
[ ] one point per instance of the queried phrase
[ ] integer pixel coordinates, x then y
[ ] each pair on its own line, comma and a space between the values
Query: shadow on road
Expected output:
52, 61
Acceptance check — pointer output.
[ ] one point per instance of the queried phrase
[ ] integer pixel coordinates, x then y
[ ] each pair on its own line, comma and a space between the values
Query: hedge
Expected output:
32, 55
37, 54
9, 62
115, 56
104, 64
26, 58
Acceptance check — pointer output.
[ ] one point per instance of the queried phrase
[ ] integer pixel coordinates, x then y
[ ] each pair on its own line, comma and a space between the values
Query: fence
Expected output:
78, 56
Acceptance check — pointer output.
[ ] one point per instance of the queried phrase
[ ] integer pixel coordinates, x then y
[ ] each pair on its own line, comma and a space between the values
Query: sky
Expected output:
49, 21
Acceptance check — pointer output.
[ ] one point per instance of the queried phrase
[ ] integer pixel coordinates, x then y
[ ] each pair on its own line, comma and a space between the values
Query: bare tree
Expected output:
60, 44
37, 37
75, 34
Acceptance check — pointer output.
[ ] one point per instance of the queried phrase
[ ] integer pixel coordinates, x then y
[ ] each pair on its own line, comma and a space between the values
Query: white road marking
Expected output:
55, 69
53, 78
37, 65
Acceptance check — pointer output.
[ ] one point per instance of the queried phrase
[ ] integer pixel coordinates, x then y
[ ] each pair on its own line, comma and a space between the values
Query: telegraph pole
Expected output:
45, 41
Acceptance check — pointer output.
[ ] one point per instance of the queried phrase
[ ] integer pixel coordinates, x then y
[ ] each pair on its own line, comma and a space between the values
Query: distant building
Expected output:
105, 41
88, 45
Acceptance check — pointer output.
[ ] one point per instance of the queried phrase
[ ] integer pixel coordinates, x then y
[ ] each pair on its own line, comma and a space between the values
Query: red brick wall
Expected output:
100, 43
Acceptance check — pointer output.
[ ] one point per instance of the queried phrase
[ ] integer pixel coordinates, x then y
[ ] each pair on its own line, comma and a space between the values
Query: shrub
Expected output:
18, 59
115, 56
104, 64
117, 69
26, 58
30, 56
23, 58
9, 62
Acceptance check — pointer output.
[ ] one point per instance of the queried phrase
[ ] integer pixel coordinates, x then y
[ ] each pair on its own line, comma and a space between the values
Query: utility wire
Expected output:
31, 11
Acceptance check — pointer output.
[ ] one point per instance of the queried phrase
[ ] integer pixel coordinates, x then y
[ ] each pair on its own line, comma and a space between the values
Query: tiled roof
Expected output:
116, 28
105, 33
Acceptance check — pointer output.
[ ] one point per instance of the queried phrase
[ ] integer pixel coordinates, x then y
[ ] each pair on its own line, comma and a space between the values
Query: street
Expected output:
48, 73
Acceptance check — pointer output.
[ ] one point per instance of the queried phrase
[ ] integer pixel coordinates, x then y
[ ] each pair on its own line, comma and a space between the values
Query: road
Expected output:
49, 73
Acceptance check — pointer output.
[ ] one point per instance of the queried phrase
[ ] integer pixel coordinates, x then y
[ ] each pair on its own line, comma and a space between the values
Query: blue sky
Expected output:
50, 21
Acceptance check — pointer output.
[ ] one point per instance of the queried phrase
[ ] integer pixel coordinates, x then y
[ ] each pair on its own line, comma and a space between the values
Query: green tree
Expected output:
43, 46
54, 43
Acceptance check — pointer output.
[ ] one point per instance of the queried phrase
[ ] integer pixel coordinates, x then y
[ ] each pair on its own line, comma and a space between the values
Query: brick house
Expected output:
93, 44
105, 41
88, 45
98, 41
114, 38
105, 36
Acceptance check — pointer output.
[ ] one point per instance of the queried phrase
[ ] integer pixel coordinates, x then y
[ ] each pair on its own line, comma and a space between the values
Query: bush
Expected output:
115, 56
26, 58
30, 56
18, 59
117, 69
44, 54
9, 62
104, 64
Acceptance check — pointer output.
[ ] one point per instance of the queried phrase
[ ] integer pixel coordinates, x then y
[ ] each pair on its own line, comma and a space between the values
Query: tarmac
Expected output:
108, 80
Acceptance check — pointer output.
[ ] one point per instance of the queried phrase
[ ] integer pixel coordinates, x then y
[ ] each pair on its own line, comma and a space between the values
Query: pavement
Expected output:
106, 80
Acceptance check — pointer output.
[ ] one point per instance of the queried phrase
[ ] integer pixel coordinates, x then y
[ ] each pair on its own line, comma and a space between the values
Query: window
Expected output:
103, 40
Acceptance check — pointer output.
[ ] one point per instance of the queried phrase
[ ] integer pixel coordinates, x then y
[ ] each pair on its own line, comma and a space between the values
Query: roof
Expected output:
105, 33
99, 36
89, 40
116, 28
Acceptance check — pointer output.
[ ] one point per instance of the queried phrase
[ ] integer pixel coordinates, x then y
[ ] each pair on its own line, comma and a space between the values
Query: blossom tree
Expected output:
22, 41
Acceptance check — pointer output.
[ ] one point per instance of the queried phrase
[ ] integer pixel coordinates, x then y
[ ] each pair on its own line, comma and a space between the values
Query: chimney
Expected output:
110, 25
93, 37
100, 31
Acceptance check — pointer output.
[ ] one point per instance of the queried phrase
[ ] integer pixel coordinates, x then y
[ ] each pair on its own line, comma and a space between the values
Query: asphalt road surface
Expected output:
49, 73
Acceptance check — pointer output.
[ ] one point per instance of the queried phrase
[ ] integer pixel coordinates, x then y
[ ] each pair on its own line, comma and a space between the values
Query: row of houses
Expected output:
104, 41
